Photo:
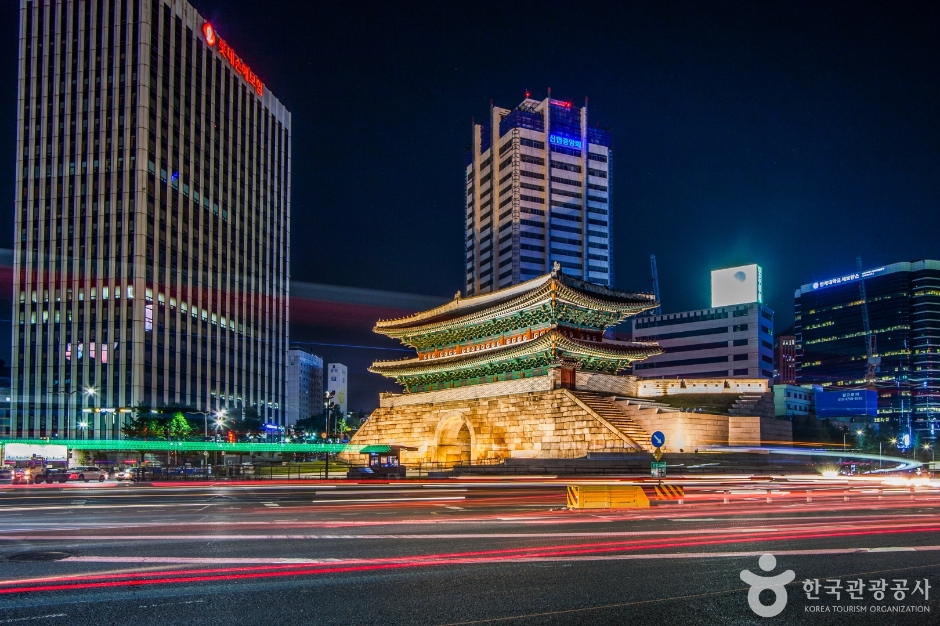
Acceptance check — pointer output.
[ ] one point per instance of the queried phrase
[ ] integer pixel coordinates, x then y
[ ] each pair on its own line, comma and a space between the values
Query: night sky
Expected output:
790, 134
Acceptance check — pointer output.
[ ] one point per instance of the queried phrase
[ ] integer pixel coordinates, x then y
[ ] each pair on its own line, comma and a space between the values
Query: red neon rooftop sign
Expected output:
226, 51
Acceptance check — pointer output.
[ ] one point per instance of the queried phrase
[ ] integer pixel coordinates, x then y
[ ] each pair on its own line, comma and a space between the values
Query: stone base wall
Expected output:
550, 423
542, 424
691, 431
685, 431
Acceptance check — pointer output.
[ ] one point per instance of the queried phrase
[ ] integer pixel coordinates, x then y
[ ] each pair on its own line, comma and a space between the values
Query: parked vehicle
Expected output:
87, 472
50, 475
6, 475
360, 473
22, 476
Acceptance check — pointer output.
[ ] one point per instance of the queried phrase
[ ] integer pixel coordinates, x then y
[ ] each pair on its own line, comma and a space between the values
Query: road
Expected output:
459, 552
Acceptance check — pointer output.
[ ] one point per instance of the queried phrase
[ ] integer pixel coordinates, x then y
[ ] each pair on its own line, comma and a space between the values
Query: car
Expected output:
50, 475
126, 474
88, 472
360, 472
6, 475
22, 476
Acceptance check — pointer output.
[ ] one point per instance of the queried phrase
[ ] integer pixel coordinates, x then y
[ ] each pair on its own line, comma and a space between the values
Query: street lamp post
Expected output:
84, 428
68, 401
205, 415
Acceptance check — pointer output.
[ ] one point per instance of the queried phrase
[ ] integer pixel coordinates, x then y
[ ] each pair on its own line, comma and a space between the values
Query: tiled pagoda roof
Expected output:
544, 301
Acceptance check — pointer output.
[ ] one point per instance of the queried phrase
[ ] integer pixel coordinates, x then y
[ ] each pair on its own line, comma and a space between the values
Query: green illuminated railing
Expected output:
161, 445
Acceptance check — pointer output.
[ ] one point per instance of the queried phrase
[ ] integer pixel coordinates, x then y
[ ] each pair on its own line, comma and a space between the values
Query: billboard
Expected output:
737, 285
850, 403
27, 452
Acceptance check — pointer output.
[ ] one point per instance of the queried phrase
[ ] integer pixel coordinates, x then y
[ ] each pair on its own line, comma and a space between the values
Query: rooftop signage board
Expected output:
212, 38
737, 285
838, 280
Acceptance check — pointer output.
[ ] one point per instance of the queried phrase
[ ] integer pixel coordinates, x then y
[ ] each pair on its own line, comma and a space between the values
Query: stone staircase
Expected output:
759, 404
617, 417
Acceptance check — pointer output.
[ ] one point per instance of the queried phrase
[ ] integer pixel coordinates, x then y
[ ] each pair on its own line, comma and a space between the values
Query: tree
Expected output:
308, 426
250, 422
144, 426
179, 426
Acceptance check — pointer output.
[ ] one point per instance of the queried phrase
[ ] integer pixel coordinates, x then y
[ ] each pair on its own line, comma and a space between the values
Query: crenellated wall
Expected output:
669, 387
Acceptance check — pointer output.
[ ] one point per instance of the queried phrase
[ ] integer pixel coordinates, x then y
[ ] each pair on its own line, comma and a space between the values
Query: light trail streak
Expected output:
596, 550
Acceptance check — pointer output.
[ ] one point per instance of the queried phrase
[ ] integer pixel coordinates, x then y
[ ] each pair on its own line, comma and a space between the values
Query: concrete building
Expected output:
903, 301
538, 192
785, 358
791, 400
304, 385
730, 341
336, 382
733, 339
152, 212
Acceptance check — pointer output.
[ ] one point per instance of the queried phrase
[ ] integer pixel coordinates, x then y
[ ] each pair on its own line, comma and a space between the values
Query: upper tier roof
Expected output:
555, 287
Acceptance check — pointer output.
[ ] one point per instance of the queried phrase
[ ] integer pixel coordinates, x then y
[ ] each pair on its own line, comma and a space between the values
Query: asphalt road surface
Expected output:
463, 552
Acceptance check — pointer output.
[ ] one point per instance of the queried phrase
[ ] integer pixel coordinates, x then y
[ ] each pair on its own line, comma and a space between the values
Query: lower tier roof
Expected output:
551, 348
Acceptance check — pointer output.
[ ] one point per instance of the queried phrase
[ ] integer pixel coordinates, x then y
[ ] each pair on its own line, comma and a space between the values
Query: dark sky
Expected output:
791, 134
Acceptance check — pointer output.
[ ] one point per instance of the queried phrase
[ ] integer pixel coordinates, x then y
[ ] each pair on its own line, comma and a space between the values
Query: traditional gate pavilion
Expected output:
525, 331
526, 371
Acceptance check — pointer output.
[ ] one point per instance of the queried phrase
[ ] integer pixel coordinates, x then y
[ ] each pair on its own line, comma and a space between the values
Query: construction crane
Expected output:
658, 309
873, 363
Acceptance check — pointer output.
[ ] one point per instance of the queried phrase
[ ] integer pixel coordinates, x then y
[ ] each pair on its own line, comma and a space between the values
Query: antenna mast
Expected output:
873, 362
655, 273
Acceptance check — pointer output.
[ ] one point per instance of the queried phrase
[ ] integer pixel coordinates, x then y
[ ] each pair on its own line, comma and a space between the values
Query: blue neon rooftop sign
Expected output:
558, 140
848, 278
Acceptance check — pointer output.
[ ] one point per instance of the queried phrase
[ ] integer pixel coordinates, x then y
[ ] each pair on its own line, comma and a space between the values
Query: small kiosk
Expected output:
385, 461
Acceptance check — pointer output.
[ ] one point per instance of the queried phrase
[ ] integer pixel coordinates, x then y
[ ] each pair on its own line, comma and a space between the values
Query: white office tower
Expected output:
538, 192
152, 220
336, 382
304, 385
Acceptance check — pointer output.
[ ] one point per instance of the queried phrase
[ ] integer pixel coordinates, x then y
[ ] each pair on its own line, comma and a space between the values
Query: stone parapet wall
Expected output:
676, 386
605, 383
684, 431
756, 431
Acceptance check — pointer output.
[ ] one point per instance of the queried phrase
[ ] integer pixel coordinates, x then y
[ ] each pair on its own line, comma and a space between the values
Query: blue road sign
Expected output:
658, 439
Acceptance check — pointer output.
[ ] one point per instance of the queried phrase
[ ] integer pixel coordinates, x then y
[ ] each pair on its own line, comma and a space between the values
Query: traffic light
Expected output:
231, 437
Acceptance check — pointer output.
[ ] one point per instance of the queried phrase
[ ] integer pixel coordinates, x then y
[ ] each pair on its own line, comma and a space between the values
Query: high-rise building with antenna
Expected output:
538, 191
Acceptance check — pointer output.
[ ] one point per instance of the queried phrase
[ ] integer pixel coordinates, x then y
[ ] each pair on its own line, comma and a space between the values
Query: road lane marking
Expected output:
892, 549
150, 606
271, 504
26, 619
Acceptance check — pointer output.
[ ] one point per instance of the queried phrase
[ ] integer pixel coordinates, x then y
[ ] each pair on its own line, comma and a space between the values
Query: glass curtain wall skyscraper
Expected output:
538, 191
904, 312
152, 220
